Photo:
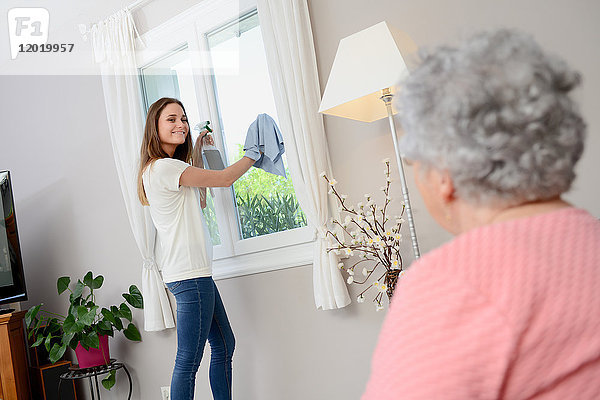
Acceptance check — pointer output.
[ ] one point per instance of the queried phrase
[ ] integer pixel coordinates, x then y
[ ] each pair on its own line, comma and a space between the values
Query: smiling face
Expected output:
173, 127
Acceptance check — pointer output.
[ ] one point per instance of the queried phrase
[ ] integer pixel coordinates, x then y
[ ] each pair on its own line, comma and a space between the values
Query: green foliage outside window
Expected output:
266, 203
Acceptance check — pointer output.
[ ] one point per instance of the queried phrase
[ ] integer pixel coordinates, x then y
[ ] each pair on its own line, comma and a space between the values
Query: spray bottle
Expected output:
210, 154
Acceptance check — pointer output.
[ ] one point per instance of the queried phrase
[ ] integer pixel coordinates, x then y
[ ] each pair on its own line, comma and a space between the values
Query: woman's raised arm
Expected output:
199, 177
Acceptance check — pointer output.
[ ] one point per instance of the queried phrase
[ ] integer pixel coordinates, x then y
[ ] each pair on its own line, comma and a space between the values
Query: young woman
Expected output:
169, 185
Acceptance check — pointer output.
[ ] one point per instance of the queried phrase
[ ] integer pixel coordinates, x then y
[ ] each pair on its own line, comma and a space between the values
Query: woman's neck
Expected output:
469, 216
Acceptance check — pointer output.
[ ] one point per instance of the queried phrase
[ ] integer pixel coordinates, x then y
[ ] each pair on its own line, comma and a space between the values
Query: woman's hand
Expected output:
205, 139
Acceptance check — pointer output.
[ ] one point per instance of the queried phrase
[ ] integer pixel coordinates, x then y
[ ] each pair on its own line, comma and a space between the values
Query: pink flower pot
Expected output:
93, 357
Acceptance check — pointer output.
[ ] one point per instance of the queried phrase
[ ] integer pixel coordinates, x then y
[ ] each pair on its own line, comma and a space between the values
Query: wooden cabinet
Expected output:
14, 375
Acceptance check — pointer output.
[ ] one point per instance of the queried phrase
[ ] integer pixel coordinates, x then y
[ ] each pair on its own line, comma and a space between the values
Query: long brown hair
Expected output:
151, 149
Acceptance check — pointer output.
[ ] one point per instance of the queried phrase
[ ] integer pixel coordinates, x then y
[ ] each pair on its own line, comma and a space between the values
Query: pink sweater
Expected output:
505, 311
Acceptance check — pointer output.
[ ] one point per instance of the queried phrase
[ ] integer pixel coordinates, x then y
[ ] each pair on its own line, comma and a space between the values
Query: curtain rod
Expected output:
84, 29
138, 4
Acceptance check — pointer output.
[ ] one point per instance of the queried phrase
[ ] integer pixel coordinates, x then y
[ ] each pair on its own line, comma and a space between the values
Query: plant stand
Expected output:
79, 373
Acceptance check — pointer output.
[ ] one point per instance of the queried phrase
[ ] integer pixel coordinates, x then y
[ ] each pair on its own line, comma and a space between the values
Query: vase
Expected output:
93, 357
391, 278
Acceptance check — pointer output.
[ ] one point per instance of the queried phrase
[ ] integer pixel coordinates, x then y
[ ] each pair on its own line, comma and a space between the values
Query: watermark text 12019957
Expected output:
46, 48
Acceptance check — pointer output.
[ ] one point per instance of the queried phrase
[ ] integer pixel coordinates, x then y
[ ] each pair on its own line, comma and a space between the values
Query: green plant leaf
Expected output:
110, 380
115, 311
31, 314
81, 311
134, 297
125, 312
88, 279
93, 340
78, 291
53, 326
67, 337
132, 333
47, 342
87, 318
113, 319
74, 342
63, 284
97, 282
105, 328
90, 340
57, 352
38, 341
69, 323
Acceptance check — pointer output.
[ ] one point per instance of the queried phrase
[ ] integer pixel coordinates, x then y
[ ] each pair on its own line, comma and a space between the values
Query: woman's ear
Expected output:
446, 186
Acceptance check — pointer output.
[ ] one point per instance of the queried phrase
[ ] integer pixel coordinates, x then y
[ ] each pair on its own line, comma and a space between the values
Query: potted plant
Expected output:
86, 327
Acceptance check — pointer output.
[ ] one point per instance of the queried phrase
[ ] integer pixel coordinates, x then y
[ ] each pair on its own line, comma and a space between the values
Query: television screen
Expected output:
12, 278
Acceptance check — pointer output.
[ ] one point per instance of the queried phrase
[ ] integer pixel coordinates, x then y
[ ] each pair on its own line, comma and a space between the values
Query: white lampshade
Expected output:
370, 60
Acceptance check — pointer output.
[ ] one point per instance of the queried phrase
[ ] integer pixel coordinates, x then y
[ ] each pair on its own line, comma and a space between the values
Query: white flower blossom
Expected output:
370, 241
367, 196
332, 182
365, 271
398, 237
385, 160
351, 271
349, 252
382, 288
360, 299
348, 220
395, 264
350, 280
359, 205
378, 307
375, 283
322, 174
344, 196
330, 191
399, 220
383, 188
389, 179
340, 265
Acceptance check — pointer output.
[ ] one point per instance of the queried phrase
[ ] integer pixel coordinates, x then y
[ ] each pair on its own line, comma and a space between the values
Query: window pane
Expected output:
171, 76
265, 203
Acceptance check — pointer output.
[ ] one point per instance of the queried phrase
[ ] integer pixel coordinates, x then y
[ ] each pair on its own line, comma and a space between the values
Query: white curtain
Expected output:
113, 46
287, 35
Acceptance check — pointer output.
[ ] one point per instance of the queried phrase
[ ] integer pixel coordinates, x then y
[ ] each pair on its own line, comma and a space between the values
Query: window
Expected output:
265, 203
212, 58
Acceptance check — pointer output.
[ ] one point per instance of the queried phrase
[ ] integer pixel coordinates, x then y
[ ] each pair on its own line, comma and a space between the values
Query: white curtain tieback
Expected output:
322, 231
150, 263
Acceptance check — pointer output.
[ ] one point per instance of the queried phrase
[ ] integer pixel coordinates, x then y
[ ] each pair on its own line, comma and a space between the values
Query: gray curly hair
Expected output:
495, 113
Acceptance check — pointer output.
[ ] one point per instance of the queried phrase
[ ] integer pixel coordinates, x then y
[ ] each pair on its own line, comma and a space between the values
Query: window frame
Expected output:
234, 256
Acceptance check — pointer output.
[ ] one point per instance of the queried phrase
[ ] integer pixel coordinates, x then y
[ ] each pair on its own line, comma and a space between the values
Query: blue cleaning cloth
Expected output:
264, 136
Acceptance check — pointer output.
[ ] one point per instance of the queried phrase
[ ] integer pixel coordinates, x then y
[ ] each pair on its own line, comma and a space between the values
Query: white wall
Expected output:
71, 216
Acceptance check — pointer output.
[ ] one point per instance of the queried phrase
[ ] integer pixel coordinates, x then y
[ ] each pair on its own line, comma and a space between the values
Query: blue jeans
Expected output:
201, 316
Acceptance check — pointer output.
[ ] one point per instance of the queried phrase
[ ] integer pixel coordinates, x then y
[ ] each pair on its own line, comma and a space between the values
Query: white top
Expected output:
179, 222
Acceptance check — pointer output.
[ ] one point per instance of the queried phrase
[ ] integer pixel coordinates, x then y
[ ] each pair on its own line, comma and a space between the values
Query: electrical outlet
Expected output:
165, 391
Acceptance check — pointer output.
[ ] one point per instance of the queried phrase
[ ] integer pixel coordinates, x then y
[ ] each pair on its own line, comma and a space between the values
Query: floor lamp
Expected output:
367, 67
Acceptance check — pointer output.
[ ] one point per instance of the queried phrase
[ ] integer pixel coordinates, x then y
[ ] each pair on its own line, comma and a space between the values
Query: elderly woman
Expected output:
510, 308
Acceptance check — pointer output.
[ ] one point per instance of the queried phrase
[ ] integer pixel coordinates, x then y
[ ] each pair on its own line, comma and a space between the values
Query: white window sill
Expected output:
264, 261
